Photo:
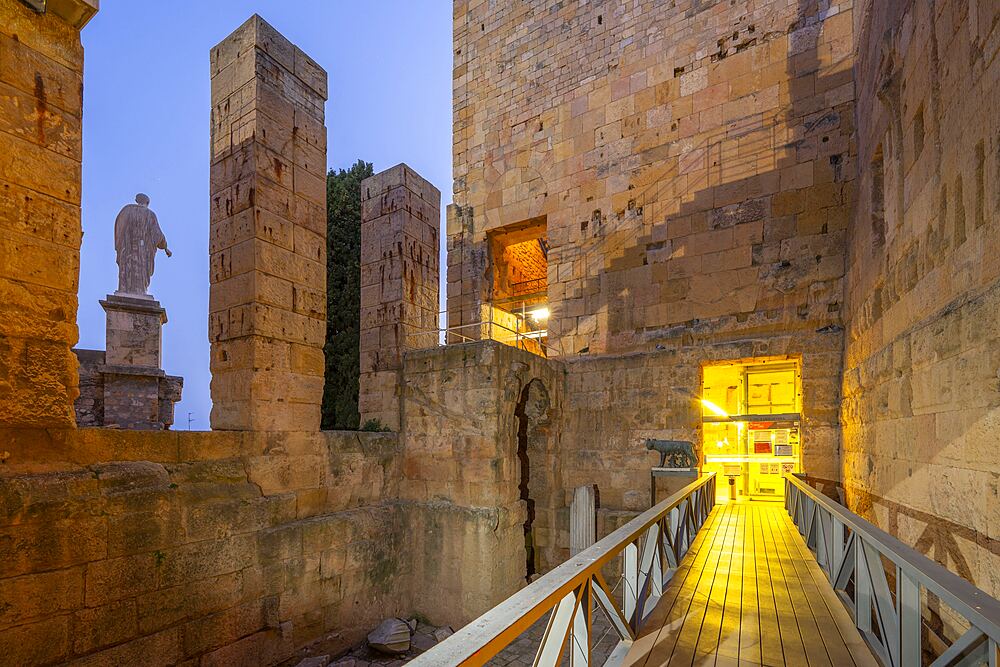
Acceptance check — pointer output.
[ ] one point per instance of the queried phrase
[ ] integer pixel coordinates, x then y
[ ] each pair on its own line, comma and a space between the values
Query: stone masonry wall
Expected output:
41, 98
921, 388
267, 303
157, 548
695, 165
461, 473
613, 403
693, 161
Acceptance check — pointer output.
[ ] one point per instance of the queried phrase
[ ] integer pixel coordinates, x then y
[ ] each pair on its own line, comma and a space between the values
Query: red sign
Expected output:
762, 447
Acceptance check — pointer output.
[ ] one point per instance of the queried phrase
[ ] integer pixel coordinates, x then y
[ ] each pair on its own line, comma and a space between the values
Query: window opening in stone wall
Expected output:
517, 311
751, 426
878, 199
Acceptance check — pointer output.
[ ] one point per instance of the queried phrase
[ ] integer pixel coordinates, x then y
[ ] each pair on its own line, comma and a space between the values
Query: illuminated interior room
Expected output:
518, 311
751, 426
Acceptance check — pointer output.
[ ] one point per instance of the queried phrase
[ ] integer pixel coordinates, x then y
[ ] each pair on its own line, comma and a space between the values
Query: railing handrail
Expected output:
976, 605
518, 335
487, 635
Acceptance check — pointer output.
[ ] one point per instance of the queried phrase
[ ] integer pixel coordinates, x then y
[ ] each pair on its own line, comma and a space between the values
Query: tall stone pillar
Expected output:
267, 307
41, 110
400, 221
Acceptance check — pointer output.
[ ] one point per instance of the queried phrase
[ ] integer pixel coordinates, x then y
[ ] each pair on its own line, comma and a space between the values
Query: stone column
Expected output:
267, 306
400, 219
41, 79
583, 519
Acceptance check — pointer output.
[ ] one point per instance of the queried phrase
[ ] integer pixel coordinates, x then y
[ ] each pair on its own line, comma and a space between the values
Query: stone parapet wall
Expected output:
921, 408
121, 547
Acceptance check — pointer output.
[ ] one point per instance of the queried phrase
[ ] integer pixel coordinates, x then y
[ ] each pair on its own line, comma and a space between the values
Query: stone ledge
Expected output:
145, 371
76, 13
135, 304
59, 448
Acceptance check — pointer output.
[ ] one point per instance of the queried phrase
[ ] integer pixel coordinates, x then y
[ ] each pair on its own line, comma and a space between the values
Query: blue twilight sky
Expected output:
146, 129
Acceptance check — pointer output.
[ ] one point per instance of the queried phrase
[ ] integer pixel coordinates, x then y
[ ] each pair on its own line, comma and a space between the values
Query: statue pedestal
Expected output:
677, 479
134, 332
137, 393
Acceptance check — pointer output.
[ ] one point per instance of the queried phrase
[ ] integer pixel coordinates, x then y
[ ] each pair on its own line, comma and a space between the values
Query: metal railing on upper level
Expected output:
419, 338
852, 552
650, 546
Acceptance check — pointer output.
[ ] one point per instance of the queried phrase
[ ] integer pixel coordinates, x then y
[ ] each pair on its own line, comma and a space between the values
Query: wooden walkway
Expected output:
749, 593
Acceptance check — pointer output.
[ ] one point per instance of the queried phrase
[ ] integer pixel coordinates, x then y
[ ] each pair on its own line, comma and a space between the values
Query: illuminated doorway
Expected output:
751, 426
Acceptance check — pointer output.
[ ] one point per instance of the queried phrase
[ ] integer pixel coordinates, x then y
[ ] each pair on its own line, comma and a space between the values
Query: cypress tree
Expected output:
343, 295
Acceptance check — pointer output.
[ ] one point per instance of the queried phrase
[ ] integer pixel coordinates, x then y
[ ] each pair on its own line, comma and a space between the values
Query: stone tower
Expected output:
400, 218
267, 305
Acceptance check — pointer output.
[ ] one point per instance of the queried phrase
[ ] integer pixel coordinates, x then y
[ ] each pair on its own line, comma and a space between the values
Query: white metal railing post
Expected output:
908, 598
580, 650
551, 648
630, 576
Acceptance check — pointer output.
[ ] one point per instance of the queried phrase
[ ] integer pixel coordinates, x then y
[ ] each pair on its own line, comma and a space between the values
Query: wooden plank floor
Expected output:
749, 593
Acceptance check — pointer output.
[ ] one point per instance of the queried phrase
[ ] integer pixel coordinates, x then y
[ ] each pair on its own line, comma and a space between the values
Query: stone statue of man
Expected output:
137, 236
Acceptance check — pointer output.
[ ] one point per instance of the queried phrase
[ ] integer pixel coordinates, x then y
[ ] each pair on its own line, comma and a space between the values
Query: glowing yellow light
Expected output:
714, 409
540, 314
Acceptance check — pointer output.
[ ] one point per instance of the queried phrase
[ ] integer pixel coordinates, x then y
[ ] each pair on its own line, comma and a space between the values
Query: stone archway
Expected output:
537, 473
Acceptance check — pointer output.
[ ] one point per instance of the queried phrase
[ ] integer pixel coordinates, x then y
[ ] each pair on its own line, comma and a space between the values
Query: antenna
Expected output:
189, 421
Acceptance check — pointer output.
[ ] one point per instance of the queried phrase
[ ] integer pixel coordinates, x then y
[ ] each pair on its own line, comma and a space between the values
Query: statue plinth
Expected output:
137, 393
134, 333
126, 295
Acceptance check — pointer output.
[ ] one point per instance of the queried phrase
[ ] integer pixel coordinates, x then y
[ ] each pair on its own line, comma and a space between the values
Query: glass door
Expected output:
751, 426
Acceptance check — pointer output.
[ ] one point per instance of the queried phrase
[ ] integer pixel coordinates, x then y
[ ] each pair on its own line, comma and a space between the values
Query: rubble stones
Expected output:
443, 633
391, 636
317, 661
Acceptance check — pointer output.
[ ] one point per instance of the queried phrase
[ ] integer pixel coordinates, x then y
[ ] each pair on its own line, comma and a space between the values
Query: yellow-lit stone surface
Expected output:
921, 410
719, 181
267, 303
41, 83
694, 163
461, 473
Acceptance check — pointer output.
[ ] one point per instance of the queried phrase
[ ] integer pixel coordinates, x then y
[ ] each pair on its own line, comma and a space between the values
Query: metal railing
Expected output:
420, 338
852, 553
651, 546
526, 287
